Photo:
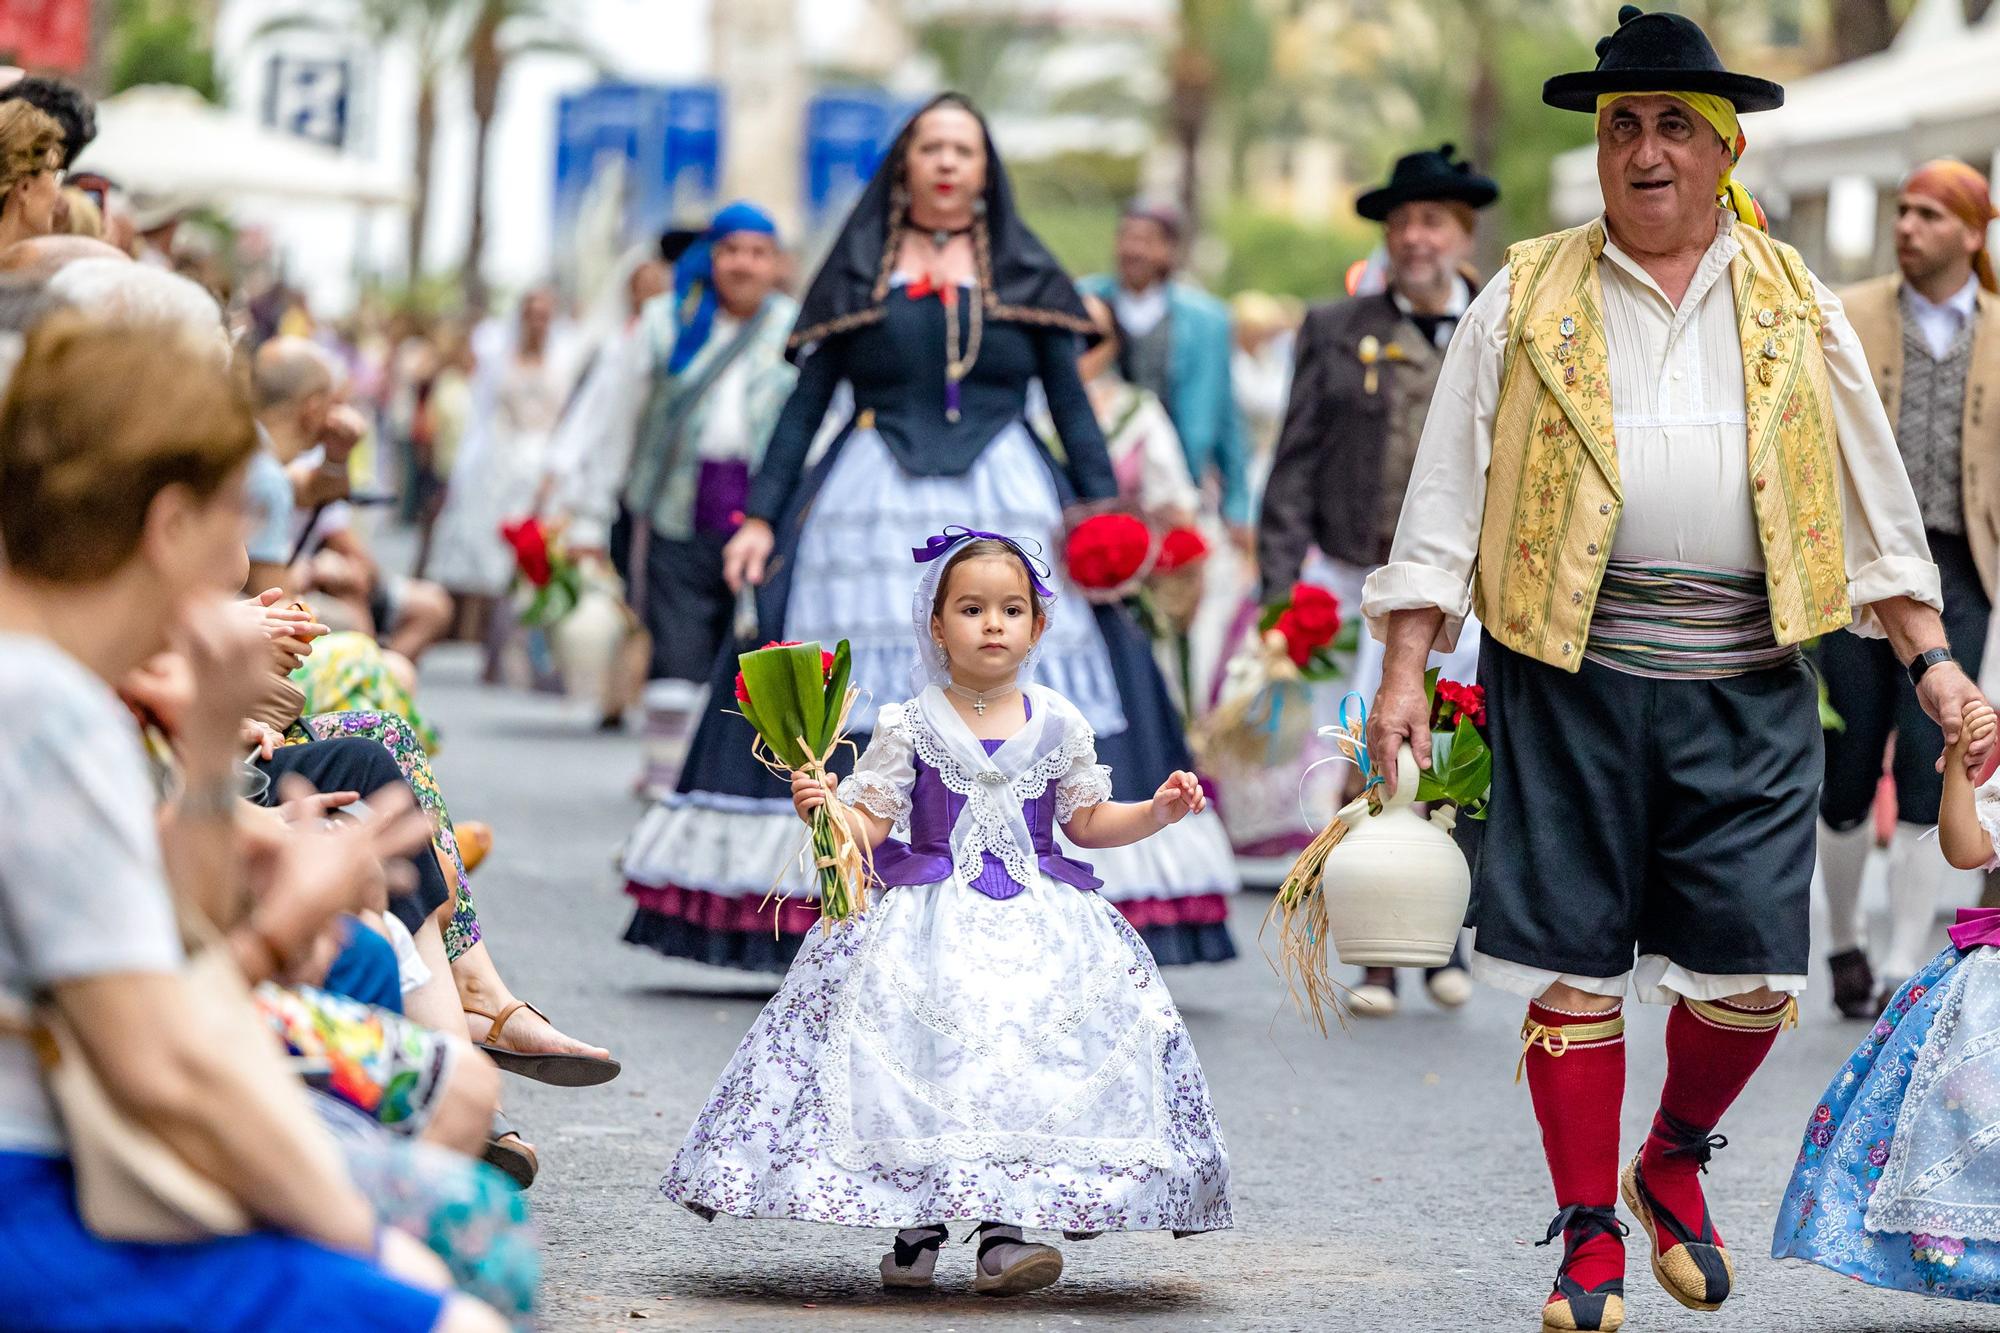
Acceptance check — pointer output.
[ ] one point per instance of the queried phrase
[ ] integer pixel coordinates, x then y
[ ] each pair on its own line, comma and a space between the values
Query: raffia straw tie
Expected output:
852, 859
1557, 1041
1224, 730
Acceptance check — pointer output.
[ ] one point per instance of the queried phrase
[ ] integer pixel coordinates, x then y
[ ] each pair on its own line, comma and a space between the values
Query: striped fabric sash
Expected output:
1683, 622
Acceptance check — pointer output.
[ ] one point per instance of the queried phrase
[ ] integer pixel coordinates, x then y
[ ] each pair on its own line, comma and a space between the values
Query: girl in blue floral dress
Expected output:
1898, 1182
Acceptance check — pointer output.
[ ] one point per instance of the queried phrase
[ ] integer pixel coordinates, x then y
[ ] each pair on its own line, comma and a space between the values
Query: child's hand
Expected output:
1179, 796
809, 793
1976, 724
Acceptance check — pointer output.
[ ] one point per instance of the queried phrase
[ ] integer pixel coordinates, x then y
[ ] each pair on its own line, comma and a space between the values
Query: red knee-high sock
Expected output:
1712, 1050
1578, 1083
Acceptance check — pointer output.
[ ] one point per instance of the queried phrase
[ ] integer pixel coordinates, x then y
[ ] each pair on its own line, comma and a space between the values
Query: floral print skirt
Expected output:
406, 747
1851, 1148
952, 1056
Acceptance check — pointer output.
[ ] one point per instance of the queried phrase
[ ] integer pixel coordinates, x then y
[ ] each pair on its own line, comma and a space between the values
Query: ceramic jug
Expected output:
1396, 886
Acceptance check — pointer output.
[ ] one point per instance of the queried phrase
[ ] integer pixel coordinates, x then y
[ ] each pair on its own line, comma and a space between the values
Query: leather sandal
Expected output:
510, 1153
1600, 1308
475, 840
561, 1069
1697, 1272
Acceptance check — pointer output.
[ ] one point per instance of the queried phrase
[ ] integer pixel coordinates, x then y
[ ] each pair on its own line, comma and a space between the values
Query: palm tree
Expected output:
431, 27
502, 31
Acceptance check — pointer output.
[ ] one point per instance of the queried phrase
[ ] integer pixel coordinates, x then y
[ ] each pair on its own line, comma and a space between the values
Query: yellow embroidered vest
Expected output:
1552, 491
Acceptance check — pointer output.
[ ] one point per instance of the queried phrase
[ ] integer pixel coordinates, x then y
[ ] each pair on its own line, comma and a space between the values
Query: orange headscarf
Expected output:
1965, 195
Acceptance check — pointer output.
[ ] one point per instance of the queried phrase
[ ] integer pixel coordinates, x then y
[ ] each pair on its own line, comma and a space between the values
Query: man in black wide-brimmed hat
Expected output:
1655, 466
1361, 385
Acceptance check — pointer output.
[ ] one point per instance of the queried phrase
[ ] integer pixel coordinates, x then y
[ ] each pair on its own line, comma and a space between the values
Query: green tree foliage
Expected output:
1527, 134
162, 41
1276, 254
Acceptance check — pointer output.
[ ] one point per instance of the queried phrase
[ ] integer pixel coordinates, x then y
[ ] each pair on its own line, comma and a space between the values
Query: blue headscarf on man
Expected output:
694, 278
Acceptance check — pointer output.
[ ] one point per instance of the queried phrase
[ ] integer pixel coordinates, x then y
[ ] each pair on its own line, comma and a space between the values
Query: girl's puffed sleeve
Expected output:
1085, 782
886, 772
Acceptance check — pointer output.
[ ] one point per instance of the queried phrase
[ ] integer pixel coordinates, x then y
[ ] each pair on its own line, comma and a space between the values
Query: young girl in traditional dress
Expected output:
990, 1040
1898, 1183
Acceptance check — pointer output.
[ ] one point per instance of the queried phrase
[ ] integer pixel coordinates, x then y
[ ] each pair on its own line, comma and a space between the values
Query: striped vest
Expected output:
1553, 496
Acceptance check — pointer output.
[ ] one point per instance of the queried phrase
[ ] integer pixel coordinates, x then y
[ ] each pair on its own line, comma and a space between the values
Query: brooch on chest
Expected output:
1370, 351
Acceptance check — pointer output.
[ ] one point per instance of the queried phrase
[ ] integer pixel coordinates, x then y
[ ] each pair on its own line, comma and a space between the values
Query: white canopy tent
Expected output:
163, 140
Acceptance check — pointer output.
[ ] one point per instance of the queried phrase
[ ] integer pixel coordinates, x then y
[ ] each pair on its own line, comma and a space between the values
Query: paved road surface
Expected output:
1390, 1178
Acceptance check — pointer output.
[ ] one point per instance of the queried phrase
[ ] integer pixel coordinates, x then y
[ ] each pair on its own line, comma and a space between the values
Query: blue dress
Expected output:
1889, 1086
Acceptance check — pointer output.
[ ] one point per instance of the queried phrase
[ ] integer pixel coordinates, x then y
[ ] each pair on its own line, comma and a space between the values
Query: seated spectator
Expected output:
121, 515
312, 432
65, 103
31, 173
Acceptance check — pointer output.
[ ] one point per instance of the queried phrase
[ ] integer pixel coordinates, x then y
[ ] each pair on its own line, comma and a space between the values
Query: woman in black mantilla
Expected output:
937, 305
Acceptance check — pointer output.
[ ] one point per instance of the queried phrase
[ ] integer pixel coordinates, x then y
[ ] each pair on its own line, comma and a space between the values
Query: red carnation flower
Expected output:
1456, 702
1298, 645
1317, 612
742, 690
1106, 551
1180, 548
531, 549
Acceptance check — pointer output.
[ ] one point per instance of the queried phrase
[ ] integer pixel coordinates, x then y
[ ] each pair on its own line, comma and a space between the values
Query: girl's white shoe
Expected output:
913, 1260
1010, 1266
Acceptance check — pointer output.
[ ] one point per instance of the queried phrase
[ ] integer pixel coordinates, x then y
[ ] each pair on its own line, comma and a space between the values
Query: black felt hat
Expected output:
1430, 174
1658, 53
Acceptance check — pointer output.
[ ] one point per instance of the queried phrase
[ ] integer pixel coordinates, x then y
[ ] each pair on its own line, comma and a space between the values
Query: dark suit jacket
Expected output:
1326, 477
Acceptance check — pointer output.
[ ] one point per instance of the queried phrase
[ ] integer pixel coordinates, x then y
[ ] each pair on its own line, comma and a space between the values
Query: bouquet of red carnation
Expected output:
797, 697
1265, 716
1179, 548
1461, 770
1107, 554
1309, 628
541, 563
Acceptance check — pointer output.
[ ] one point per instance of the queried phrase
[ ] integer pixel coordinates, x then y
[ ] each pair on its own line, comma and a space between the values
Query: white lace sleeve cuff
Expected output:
878, 795
1083, 786
885, 774
1986, 804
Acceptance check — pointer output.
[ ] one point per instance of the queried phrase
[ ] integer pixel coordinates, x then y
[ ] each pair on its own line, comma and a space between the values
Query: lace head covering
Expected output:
1019, 279
937, 555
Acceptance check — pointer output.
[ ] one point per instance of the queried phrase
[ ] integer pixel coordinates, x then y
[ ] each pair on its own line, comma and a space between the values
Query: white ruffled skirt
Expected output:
949, 1056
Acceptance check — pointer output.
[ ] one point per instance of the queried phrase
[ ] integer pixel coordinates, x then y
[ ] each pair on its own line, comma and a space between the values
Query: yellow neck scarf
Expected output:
1719, 112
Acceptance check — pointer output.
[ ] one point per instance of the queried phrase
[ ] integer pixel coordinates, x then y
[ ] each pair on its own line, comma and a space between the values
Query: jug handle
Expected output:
1407, 777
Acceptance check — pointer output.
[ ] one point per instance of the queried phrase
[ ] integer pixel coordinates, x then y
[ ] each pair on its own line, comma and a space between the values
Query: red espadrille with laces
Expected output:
1575, 1067
1712, 1050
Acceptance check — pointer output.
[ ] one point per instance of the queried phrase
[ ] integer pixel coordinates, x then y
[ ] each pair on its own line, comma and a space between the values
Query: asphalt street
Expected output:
1388, 1177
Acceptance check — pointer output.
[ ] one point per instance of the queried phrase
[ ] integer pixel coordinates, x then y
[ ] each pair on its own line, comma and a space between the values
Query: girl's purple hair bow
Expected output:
944, 542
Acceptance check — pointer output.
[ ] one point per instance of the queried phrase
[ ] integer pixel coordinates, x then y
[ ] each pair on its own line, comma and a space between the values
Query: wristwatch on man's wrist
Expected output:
1924, 661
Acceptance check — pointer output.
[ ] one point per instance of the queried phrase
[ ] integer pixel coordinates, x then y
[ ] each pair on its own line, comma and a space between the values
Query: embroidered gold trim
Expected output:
1785, 1015
1557, 1040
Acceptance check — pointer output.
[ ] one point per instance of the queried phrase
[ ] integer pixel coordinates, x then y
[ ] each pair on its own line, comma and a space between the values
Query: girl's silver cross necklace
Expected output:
979, 700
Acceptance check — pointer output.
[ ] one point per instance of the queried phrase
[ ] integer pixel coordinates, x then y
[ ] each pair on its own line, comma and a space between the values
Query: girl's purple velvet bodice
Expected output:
926, 858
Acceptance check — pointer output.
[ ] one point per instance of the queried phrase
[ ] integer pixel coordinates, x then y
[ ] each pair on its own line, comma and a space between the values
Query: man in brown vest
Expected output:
1932, 335
1655, 466
1366, 368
